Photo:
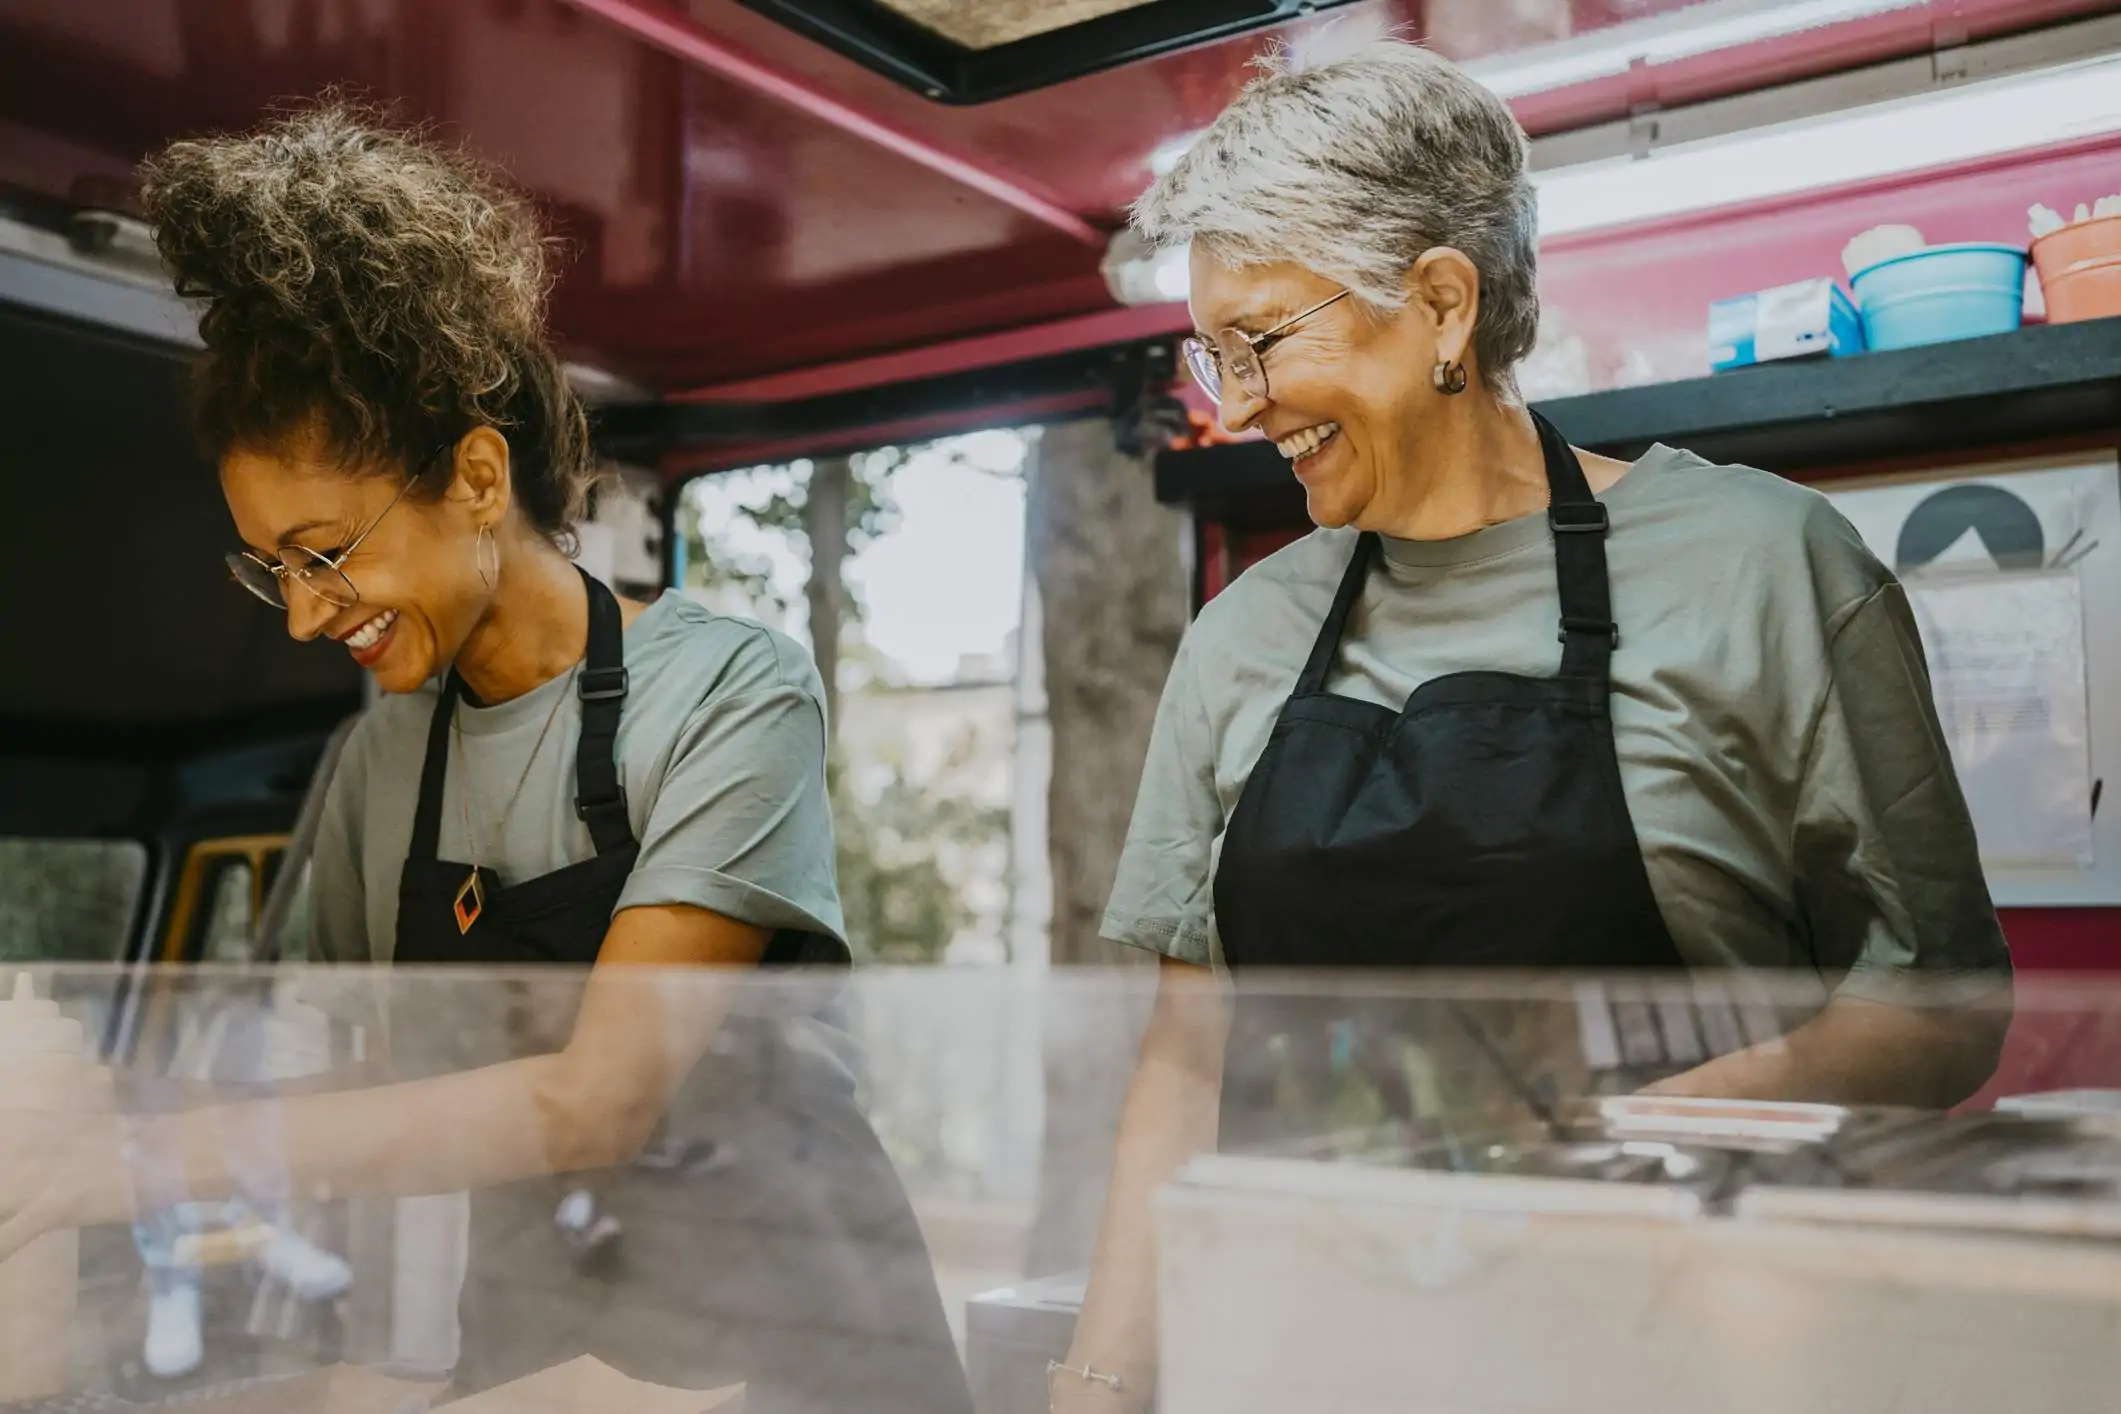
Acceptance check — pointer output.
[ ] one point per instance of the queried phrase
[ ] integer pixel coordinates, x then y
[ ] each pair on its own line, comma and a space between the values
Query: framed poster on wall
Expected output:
2014, 575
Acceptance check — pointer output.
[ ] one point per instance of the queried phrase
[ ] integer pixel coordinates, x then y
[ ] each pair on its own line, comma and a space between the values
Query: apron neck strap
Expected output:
599, 797
1580, 524
427, 815
1326, 647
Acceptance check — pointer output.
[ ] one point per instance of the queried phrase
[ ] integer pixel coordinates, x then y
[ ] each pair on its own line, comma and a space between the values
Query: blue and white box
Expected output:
1789, 321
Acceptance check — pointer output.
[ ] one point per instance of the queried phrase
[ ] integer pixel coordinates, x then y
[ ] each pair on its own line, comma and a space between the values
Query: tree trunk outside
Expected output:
1111, 580
825, 525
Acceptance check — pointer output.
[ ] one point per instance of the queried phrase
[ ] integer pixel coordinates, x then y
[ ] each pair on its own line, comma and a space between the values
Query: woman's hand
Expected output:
58, 1171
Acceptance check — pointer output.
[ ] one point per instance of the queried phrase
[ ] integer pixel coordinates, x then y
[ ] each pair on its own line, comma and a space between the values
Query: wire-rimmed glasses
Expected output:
321, 574
1236, 354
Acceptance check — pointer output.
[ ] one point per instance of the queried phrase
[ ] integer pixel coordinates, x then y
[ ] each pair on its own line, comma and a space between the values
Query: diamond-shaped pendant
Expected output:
470, 902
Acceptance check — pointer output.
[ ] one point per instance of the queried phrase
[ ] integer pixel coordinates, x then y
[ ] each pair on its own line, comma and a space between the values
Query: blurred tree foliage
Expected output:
897, 838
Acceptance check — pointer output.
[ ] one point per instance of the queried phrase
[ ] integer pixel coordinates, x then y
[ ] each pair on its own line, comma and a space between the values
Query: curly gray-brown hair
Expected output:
363, 282
1352, 164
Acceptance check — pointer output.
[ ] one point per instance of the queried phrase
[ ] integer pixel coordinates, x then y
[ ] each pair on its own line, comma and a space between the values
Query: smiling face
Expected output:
1348, 388
416, 572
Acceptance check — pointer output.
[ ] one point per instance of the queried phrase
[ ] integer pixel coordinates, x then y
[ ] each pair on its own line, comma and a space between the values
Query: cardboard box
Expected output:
1372, 1290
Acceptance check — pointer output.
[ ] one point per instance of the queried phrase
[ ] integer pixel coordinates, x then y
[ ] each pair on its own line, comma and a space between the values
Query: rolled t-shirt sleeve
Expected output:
1888, 872
1163, 892
742, 823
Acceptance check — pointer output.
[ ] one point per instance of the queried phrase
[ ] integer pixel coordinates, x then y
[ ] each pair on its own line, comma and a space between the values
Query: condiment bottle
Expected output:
44, 1066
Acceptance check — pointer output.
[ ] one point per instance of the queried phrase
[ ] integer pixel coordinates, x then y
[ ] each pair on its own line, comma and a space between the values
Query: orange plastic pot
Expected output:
2080, 270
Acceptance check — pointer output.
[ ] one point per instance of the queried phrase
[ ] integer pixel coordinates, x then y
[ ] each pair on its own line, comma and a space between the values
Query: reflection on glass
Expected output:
231, 914
1484, 1171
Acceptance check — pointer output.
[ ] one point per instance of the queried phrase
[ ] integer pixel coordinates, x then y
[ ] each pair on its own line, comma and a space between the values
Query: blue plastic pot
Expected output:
1945, 292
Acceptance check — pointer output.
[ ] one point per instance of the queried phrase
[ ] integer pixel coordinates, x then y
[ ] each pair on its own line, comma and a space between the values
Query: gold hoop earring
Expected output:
487, 577
1449, 377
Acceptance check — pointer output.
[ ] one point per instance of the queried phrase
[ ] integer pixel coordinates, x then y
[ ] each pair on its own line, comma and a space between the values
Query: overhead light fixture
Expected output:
1662, 39
1965, 123
103, 273
1139, 273
119, 239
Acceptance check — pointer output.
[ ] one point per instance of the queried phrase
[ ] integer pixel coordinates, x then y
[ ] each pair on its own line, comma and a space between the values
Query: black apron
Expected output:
795, 1265
558, 917
1481, 826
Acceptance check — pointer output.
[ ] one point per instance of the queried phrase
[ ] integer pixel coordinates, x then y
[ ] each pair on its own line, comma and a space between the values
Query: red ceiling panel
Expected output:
727, 229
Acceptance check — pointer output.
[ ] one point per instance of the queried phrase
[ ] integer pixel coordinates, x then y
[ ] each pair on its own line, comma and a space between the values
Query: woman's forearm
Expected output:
1168, 1117
439, 1135
140, 1092
1861, 1052
592, 1105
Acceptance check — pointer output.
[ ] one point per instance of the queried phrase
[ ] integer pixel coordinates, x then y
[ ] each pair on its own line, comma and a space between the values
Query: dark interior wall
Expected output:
118, 623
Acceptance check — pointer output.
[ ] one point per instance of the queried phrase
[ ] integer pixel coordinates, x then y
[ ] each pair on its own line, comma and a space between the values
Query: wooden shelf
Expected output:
2040, 383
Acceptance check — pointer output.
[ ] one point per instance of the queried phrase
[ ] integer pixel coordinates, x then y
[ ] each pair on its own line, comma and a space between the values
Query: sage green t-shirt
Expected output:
1778, 745
721, 748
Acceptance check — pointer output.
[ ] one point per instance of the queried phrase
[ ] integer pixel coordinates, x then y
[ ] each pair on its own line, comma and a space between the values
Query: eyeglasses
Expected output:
321, 574
1235, 353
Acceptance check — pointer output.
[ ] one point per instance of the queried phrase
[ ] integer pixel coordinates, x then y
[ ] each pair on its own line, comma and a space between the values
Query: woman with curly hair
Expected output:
553, 776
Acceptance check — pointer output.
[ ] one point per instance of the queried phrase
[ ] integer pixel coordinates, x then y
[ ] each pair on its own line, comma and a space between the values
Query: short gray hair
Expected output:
1352, 165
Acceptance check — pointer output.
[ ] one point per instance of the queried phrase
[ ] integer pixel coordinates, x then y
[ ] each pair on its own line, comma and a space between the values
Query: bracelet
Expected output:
1084, 1373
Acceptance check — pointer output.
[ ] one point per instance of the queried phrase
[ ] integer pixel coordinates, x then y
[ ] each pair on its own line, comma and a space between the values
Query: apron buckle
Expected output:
1579, 518
602, 684
1570, 625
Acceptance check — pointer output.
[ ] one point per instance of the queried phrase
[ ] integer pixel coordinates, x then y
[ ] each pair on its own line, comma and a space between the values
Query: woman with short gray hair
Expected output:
1371, 751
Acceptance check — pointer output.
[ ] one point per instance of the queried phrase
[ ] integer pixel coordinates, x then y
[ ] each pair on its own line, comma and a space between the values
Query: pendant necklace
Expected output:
470, 900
